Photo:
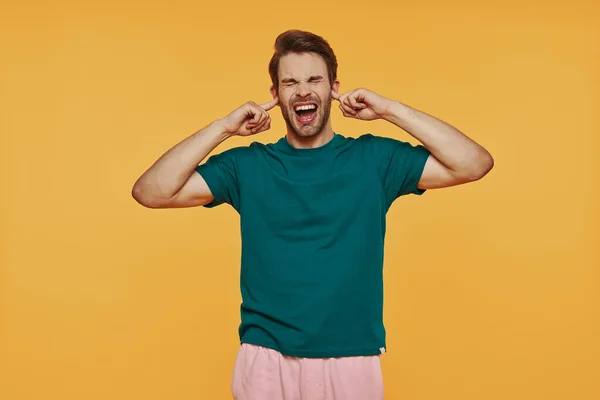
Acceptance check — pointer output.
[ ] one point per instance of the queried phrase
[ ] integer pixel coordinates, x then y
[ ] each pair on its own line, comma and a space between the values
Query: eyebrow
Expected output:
292, 80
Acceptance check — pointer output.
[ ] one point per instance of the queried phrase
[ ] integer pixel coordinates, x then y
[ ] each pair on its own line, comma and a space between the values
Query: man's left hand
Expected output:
362, 104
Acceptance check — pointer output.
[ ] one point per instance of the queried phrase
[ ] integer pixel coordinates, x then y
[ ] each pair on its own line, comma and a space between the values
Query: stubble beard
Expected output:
312, 130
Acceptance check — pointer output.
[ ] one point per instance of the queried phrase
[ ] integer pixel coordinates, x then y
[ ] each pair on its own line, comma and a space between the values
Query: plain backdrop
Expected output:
491, 289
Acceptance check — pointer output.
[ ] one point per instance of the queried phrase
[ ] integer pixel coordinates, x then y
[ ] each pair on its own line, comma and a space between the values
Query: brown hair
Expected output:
297, 41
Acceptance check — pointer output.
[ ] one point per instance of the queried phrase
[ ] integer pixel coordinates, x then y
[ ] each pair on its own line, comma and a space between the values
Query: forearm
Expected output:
172, 170
448, 145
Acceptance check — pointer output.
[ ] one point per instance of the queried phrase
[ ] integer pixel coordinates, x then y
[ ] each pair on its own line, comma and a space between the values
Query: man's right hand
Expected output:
249, 119
171, 181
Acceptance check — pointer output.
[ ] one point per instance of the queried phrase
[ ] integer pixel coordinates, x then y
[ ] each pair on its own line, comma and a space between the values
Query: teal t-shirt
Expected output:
313, 224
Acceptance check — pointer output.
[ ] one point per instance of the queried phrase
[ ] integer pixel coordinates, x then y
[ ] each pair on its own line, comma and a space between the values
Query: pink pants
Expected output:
265, 374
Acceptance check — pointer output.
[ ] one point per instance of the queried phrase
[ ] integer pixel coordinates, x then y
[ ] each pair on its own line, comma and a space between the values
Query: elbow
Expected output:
143, 197
140, 196
481, 166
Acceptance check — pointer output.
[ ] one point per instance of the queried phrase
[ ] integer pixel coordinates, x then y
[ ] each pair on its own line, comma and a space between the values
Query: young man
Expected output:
313, 212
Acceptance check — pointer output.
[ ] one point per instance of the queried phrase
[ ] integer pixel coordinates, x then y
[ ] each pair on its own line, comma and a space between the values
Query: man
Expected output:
312, 209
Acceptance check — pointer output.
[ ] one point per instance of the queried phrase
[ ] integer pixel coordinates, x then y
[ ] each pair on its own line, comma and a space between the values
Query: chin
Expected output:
308, 131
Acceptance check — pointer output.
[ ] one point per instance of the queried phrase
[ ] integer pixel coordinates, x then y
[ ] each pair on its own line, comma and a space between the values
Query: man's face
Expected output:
304, 93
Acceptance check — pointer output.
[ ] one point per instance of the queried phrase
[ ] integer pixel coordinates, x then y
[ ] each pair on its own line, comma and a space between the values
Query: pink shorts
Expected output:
265, 374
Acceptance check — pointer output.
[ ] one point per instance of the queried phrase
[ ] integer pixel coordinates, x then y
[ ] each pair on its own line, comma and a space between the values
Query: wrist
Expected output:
218, 127
395, 112
388, 109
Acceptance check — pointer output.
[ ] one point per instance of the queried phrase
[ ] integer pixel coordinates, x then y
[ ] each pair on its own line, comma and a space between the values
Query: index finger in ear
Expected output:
270, 104
335, 95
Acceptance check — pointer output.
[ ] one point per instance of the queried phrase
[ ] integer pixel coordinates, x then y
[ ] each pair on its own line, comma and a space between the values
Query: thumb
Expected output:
270, 104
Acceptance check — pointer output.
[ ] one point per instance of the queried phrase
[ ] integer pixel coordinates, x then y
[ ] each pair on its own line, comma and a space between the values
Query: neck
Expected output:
311, 142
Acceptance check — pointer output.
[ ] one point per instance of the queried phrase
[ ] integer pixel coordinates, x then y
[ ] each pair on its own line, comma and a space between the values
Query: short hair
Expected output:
297, 41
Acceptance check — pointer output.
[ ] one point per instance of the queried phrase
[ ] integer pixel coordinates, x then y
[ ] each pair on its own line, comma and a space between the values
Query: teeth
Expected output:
308, 107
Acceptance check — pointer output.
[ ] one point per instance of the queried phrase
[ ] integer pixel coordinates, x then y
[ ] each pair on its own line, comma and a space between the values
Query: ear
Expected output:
336, 86
273, 91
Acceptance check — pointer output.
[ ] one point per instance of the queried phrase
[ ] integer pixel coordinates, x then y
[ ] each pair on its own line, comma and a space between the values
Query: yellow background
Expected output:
492, 288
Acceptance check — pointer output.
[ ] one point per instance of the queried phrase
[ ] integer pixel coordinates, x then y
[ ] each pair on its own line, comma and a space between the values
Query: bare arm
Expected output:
457, 159
172, 182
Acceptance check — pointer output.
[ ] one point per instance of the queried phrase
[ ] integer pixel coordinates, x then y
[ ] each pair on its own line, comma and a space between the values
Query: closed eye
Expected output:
291, 81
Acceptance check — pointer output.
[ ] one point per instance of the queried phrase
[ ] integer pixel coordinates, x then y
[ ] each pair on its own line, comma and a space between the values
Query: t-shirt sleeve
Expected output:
400, 166
220, 172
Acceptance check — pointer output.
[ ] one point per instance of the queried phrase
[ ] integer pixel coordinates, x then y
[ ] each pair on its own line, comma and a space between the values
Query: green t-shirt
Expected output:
313, 225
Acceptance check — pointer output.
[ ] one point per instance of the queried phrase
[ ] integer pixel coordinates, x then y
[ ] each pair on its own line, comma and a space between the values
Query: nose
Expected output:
303, 89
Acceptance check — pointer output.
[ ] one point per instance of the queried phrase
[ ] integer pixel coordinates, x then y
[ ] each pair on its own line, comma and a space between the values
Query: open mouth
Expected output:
305, 112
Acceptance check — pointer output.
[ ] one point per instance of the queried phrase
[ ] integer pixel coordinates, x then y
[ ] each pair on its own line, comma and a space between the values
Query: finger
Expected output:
351, 102
263, 126
355, 104
252, 114
270, 104
346, 102
335, 95
257, 113
253, 122
263, 117
343, 99
346, 112
259, 119
344, 105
